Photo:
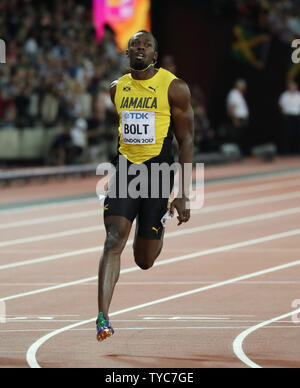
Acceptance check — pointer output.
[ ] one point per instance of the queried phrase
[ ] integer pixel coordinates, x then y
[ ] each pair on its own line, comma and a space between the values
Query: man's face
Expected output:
244, 89
141, 51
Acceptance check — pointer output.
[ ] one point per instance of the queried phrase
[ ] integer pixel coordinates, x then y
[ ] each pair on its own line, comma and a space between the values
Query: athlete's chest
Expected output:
139, 102
141, 97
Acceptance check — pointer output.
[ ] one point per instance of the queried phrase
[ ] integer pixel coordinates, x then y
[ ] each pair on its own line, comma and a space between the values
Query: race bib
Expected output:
138, 127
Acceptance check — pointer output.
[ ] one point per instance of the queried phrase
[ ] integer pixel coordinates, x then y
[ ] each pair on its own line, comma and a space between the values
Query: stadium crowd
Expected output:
54, 72
57, 76
280, 17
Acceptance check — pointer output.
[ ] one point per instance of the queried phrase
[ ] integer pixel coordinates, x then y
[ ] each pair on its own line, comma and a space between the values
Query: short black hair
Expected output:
145, 32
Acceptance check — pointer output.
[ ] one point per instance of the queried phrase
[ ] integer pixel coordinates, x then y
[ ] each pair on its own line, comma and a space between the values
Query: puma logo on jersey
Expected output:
154, 89
156, 230
106, 207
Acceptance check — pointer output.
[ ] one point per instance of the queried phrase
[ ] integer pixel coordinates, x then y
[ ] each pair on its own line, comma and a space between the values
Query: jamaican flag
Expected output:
250, 47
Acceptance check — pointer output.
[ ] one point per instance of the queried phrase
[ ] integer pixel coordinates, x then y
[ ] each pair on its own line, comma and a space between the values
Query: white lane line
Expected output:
164, 283
31, 208
207, 321
92, 213
207, 209
51, 236
238, 342
248, 202
289, 175
44, 320
39, 207
169, 261
191, 328
251, 189
184, 319
154, 321
168, 283
216, 315
46, 220
27, 284
32, 351
149, 328
51, 258
249, 177
218, 225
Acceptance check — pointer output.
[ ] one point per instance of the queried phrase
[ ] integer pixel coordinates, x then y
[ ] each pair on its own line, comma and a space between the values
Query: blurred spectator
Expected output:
22, 101
238, 112
79, 139
54, 67
69, 146
1, 105
205, 138
49, 107
289, 104
59, 150
102, 128
284, 18
280, 17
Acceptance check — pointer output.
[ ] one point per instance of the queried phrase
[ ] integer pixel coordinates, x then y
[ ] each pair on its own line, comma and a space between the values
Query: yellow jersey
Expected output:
145, 117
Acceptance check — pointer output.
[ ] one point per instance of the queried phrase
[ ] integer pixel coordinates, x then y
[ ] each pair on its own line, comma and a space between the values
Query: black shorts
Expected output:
147, 209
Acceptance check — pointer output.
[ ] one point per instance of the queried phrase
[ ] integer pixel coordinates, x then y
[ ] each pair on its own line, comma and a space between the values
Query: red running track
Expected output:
235, 266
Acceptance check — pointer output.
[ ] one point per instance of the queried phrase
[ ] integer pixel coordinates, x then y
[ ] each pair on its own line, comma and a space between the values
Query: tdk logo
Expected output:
137, 116
2, 51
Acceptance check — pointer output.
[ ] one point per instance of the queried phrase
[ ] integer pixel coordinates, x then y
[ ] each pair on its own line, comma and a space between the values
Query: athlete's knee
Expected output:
143, 265
115, 241
144, 261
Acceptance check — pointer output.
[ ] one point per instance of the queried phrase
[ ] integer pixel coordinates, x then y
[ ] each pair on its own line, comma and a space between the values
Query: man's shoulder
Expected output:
234, 92
179, 93
284, 94
167, 73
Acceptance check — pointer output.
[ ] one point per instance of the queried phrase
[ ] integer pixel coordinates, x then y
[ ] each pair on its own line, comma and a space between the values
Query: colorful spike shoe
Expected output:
104, 330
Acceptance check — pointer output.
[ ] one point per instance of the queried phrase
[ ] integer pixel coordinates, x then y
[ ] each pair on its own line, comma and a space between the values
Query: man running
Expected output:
153, 104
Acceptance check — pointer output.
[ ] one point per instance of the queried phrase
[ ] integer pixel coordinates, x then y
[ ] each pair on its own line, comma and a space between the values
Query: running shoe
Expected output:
104, 330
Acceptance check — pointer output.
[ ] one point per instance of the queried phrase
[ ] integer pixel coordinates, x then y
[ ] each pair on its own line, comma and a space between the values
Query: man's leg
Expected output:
147, 251
117, 229
150, 232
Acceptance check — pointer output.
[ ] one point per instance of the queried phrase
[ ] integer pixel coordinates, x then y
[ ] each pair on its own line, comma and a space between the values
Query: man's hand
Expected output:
183, 210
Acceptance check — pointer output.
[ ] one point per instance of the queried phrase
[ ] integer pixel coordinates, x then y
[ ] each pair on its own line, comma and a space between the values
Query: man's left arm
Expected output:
183, 122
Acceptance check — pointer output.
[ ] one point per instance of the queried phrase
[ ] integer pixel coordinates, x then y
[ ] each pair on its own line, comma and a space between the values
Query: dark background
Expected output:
199, 34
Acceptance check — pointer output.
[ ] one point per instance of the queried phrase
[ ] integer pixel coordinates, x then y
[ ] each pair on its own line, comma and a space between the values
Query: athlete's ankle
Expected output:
102, 316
